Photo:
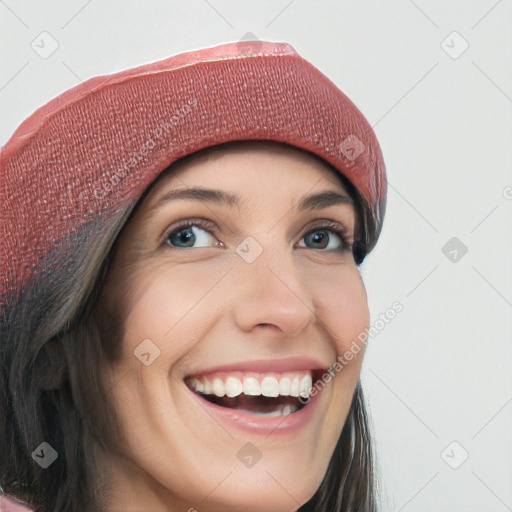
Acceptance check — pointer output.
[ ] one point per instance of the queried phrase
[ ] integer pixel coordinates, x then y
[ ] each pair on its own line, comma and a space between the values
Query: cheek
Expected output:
167, 305
341, 304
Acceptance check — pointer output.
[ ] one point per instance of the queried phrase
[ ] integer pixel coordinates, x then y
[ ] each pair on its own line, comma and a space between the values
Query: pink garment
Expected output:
8, 505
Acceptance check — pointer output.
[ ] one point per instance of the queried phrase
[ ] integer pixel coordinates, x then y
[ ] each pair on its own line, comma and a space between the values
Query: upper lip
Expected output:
267, 365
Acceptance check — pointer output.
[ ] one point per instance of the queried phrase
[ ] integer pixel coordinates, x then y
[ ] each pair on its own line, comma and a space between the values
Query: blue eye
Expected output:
196, 233
328, 237
189, 235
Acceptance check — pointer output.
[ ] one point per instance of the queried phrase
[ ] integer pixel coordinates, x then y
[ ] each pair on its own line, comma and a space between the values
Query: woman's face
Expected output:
234, 277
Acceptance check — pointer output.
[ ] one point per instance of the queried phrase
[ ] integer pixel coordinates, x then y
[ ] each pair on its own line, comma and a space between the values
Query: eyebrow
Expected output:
316, 201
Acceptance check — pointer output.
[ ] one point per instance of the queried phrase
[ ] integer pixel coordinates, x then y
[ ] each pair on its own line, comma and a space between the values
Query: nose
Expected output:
271, 293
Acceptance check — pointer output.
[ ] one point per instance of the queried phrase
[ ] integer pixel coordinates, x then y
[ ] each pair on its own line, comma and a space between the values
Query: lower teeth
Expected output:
257, 405
284, 411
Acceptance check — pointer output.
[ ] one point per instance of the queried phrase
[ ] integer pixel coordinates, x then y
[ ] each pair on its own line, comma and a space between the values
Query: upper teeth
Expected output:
254, 384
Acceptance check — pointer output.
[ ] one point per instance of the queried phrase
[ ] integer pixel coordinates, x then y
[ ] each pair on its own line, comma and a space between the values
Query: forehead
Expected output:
276, 169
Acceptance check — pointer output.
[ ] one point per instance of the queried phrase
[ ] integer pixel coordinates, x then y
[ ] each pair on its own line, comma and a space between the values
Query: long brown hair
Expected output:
51, 354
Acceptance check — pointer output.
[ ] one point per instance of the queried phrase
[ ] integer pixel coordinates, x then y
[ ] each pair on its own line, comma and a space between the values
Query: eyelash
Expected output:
332, 226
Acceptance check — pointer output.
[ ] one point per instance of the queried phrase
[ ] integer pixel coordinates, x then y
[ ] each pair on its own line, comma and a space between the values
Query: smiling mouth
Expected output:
261, 394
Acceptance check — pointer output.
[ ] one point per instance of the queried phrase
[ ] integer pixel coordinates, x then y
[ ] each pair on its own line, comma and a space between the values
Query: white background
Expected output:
441, 370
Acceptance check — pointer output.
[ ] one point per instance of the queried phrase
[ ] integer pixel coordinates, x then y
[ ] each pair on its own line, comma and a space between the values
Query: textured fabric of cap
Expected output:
95, 148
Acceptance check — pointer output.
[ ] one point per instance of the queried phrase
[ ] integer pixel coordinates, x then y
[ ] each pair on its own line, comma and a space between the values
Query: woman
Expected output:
180, 283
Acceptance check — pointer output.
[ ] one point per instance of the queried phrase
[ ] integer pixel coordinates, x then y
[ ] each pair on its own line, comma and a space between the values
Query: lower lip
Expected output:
256, 424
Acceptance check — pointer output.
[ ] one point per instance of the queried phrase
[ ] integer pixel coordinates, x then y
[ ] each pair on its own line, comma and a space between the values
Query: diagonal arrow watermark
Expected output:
14, 76
216, 487
424, 14
485, 218
406, 94
206, 1
408, 407
491, 80
494, 416
409, 501
486, 14
279, 14
491, 491
414, 208
75, 15
492, 286
13, 13
423, 280
284, 489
